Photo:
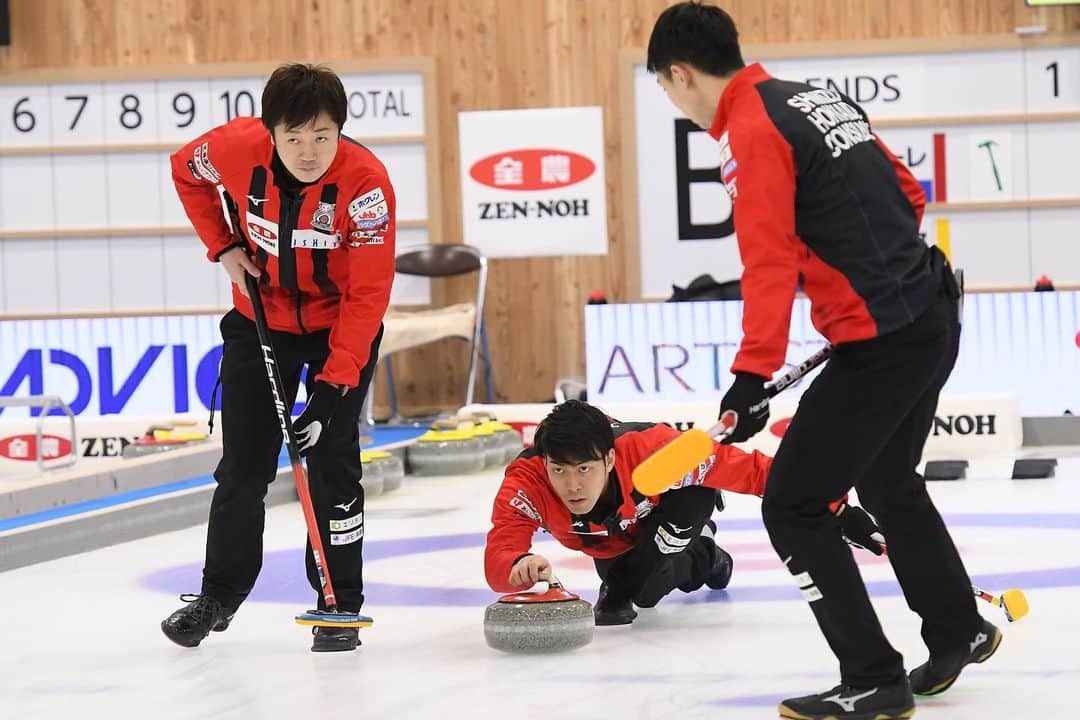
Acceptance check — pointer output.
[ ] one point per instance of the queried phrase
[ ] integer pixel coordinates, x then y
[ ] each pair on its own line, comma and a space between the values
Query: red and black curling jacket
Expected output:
819, 203
326, 249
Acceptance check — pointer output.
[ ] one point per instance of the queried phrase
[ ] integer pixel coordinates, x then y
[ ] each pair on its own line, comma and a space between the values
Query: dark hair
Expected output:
701, 36
296, 94
574, 432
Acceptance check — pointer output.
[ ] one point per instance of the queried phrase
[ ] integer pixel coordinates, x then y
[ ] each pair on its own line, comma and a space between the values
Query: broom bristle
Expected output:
670, 463
1015, 604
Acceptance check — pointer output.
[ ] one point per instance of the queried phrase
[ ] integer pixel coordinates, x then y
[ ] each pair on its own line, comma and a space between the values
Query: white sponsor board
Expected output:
151, 366
135, 366
94, 164
1022, 343
532, 181
96, 439
964, 426
684, 218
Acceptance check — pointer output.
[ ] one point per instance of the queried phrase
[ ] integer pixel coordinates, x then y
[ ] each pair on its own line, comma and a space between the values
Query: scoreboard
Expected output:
89, 220
990, 126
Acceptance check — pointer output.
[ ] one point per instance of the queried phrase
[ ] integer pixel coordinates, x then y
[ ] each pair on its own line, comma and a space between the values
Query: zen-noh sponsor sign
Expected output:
1027, 344
97, 438
532, 181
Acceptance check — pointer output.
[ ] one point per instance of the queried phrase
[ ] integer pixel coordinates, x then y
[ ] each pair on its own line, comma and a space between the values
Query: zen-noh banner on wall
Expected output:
532, 181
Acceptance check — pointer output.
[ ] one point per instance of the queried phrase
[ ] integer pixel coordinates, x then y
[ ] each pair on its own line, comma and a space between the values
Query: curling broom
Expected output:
683, 454
331, 617
1012, 602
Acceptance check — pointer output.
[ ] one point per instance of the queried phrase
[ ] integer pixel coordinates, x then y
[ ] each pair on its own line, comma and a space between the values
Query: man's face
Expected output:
579, 485
307, 150
679, 86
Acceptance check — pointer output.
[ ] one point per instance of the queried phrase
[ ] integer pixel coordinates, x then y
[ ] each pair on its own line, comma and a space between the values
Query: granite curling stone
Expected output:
446, 452
393, 470
508, 438
372, 480
539, 622
492, 444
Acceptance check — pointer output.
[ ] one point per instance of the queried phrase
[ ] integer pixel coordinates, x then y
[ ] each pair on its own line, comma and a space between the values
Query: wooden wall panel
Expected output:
491, 54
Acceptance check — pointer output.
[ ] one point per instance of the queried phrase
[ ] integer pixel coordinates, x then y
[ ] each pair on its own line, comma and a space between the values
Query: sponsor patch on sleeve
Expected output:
725, 149
201, 158
358, 238
729, 168
524, 506
377, 222
367, 201
697, 476
211, 172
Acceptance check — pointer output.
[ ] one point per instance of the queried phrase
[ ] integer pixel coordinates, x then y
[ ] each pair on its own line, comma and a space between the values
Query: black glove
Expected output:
747, 399
321, 404
860, 529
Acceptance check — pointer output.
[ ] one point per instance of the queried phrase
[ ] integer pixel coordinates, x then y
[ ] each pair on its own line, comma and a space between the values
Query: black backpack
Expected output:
705, 287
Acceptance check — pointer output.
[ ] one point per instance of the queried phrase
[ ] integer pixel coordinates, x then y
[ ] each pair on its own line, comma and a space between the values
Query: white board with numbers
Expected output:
89, 219
989, 126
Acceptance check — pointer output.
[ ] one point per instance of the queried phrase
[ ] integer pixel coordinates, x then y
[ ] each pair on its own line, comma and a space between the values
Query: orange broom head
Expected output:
672, 462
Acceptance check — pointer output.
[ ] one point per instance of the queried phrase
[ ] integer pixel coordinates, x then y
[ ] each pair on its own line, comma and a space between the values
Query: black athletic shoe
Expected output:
190, 624
720, 575
613, 610
937, 675
334, 639
843, 702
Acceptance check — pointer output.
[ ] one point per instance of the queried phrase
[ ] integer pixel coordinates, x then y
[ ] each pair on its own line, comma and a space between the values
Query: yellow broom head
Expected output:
1015, 604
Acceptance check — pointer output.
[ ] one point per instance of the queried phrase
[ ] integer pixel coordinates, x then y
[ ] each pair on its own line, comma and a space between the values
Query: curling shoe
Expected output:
843, 702
937, 675
613, 610
334, 639
190, 624
720, 575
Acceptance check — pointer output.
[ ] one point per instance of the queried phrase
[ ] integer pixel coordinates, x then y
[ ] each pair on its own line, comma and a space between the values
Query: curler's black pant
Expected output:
252, 440
863, 423
670, 551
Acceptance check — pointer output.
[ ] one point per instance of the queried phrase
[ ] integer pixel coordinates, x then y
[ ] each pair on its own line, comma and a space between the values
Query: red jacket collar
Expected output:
747, 77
